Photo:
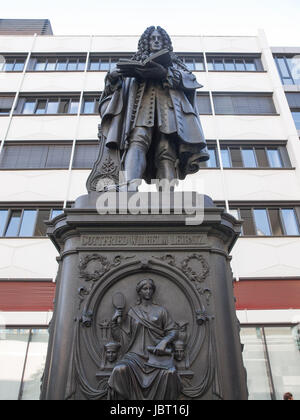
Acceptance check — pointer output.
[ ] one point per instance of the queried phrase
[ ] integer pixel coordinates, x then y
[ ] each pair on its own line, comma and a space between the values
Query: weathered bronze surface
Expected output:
150, 126
144, 307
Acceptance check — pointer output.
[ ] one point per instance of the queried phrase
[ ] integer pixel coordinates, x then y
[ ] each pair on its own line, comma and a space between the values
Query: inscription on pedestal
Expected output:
143, 240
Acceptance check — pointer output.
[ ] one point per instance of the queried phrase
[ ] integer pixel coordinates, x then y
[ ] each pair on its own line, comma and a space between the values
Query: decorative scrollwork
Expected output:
195, 275
103, 265
86, 319
95, 275
201, 273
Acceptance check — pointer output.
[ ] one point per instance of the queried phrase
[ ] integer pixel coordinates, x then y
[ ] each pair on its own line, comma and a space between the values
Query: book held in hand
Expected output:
161, 57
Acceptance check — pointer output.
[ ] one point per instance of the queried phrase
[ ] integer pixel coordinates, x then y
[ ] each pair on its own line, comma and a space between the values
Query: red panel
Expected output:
250, 294
267, 294
26, 295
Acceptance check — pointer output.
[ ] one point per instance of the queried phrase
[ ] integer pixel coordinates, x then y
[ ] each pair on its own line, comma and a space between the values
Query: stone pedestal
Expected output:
103, 257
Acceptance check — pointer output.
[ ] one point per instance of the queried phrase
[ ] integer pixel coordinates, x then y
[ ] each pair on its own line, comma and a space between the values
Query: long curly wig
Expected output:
144, 46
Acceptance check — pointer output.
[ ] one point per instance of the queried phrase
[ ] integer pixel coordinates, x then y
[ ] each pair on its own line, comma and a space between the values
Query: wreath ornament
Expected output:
94, 275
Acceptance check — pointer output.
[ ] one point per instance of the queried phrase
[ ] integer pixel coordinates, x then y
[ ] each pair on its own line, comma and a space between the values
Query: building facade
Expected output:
249, 108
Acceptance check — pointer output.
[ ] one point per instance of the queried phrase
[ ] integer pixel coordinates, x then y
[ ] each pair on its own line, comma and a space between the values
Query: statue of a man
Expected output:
149, 114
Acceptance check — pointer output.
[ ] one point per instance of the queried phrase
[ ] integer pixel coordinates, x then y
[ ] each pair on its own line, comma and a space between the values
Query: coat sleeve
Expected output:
112, 86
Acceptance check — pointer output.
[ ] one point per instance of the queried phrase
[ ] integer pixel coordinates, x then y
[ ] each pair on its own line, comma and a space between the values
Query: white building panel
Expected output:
4, 121
230, 44
42, 127
33, 186
10, 81
88, 127
187, 44
27, 258
206, 181
15, 44
77, 184
238, 81
94, 81
255, 185
61, 44
107, 44
245, 127
261, 257
53, 82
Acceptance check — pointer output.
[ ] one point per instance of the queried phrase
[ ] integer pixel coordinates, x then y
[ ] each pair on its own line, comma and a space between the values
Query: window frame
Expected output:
19, 110
280, 148
44, 159
90, 98
107, 58
252, 207
15, 60
297, 123
285, 58
56, 59
211, 58
31, 331
195, 60
49, 208
245, 95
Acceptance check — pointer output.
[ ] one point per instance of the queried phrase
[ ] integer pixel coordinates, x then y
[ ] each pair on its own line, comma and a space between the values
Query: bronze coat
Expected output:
169, 105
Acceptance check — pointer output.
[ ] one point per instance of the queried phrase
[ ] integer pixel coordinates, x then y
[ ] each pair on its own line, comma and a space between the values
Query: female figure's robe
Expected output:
132, 377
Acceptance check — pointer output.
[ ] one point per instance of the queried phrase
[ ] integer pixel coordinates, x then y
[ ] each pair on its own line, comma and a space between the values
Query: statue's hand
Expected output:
127, 72
114, 75
160, 348
117, 318
152, 71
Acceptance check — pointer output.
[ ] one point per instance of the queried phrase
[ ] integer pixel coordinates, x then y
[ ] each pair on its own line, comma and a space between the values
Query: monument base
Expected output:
100, 335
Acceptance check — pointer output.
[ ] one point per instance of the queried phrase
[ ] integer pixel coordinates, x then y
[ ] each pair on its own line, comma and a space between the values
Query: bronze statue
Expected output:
111, 351
149, 113
146, 371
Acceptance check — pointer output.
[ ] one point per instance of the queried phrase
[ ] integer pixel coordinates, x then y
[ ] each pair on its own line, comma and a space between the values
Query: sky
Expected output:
279, 18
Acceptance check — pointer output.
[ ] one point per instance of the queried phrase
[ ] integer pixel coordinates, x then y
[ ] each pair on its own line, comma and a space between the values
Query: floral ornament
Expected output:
103, 267
201, 274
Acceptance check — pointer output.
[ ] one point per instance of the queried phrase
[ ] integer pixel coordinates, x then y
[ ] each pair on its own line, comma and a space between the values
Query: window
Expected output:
272, 360
293, 99
6, 103
255, 157
46, 106
22, 358
212, 162
233, 63
90, 105
243, 104
290, 222
57, 63
203, 104
25, 222
274, 158
225, 158
55, 213
296, 117
85, 155
270, 221
249, 159
262, 222
3, 217
104, 63
193, 63
33, 156
12, 63
288, 68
